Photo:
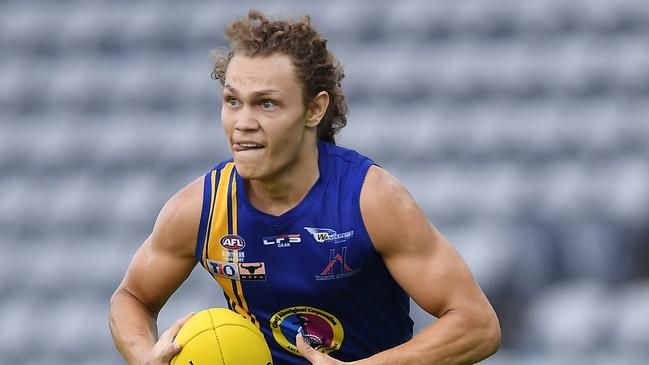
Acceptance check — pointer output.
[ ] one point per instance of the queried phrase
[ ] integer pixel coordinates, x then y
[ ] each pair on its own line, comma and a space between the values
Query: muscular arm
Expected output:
160, 265
432, 273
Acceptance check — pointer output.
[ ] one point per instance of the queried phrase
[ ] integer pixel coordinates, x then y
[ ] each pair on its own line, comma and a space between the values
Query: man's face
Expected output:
263, 115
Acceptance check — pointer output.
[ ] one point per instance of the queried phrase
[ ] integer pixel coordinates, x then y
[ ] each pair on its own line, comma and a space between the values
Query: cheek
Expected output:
284, 127
226, 121
288, 139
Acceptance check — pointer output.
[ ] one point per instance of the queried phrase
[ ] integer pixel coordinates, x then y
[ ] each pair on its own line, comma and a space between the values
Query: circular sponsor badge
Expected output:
319, 329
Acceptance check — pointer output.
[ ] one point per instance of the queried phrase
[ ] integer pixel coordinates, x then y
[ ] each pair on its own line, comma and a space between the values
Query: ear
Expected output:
317, 108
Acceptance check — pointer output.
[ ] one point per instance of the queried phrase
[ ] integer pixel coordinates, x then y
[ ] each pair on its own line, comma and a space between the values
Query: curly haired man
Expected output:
314, 243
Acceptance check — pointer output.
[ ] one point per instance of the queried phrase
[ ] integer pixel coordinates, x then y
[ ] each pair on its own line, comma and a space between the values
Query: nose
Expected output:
246, 119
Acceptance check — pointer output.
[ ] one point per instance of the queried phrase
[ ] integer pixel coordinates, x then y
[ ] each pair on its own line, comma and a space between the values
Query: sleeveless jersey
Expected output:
312, 270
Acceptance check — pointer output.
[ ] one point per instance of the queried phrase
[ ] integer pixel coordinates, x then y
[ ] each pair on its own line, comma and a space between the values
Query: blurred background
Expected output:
521, 128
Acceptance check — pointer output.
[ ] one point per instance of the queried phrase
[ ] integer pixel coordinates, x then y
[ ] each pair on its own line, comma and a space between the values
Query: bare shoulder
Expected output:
381, 191
166, 257
176, 227
390, 213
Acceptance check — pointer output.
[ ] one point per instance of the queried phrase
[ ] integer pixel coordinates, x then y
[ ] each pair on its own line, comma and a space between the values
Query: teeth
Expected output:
249, 145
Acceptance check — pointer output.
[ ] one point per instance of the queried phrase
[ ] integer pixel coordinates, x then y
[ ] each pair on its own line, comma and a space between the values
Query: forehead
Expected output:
250, 74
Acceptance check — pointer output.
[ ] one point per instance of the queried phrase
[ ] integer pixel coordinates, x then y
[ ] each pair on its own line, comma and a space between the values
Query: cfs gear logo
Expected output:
323, 235
320, 329
337, 267
233, 242
283, 240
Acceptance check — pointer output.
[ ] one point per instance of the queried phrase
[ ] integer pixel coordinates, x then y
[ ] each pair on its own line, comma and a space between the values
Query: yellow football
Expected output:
218, 336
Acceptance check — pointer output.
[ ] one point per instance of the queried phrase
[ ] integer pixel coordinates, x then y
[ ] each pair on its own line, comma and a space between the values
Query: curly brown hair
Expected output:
316, 67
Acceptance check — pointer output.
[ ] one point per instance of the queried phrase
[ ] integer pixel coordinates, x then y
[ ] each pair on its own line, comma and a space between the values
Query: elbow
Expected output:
116, 298
113, 297
125, 297
493, 338
485, 334
114, 305
491, 335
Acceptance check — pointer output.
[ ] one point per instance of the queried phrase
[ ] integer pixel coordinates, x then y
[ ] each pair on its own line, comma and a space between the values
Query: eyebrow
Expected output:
256, 93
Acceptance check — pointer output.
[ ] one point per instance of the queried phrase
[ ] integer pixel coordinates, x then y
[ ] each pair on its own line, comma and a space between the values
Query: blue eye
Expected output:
233, 101
268, 104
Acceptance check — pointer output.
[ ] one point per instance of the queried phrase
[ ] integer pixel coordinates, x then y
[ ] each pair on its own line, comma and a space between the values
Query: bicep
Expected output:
166, 258
418, 257
434, 275
155, 273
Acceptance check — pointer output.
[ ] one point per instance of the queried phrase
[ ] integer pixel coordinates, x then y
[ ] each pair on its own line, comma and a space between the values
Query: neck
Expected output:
281, 193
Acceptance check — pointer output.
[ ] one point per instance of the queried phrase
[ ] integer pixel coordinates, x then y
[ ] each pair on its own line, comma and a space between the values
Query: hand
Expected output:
166, 347
314, 356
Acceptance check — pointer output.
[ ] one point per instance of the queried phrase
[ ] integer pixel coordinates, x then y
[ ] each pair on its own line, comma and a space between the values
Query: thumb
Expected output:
170, 334
175, 328
307, 351
168, 347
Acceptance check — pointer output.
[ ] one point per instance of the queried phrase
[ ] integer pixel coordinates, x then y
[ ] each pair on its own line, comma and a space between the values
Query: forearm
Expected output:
455, 338
132, 325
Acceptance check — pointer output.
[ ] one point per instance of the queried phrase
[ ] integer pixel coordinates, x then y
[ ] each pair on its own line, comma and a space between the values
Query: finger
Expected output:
167, 346
171, 333
179, 323
307, 351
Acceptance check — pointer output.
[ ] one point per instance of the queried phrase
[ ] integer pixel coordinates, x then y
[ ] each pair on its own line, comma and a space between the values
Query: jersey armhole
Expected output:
358, 214
205, 214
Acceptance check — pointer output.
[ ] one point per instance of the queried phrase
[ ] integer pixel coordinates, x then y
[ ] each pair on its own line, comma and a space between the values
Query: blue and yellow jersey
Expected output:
311, 270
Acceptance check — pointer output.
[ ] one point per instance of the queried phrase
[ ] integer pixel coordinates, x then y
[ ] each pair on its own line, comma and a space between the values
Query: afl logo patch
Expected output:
233, 242
320, 329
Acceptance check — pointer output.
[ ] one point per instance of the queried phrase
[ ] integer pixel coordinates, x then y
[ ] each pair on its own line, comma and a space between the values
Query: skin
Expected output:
159, 266
262, 105
272, 136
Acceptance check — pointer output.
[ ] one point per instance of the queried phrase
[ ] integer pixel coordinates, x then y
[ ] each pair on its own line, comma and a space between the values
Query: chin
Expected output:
247, 171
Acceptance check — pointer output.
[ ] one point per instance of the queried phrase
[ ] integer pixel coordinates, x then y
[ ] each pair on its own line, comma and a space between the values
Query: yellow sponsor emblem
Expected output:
320, 329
